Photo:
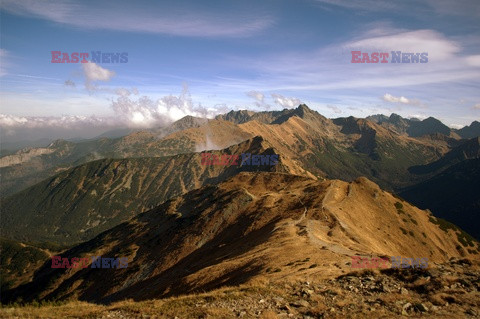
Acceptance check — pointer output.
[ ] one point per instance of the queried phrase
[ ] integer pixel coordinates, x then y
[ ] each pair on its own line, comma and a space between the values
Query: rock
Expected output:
404, 291
300, 303
405, 308
421, 307
471, 312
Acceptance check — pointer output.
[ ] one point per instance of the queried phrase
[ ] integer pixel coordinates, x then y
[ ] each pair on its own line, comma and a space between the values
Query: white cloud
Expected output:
142, 112
259, 96
288, 102
93, 72
13, 121
477, 106
145, 112
156, 18
390, 98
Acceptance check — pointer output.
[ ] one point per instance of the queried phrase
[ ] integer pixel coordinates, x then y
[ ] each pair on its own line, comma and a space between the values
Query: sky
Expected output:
203, 58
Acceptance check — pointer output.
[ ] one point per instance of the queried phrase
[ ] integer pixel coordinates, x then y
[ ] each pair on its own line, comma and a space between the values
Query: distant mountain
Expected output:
81, 202
428, 126
253, 226
120, 132
453, 194
29, 166
343, 148
265, 117
15, 146
412, 127
473, 130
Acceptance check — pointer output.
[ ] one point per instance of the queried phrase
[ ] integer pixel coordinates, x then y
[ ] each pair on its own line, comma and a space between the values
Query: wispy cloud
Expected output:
435, 44
441, 7
335, 109
155, 17
259, 98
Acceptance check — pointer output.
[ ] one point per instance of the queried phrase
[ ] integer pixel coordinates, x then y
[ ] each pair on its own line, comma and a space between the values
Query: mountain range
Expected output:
345, 187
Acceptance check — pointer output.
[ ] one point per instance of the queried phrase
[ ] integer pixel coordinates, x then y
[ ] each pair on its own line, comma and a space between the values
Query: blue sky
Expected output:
208, 57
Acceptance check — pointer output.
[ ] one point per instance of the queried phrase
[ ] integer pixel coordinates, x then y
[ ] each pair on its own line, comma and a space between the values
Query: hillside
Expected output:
18, 262
254, 226
453, 194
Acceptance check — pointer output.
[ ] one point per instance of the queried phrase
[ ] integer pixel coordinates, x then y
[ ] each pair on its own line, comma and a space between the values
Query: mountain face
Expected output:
239, 231
453, 194
347, 148
79, 203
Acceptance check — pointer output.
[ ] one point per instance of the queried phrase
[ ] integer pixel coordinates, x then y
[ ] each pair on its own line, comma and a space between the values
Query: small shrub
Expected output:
404, 231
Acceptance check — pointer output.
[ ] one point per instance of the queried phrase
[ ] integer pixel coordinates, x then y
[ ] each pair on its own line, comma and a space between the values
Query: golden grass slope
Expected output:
254, 226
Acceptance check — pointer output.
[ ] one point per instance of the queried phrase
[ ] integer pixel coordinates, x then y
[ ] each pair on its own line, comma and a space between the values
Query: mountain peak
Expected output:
303, 108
